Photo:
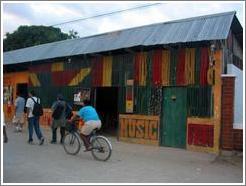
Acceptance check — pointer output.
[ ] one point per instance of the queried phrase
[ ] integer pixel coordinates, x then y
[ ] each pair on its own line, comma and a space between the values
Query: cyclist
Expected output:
91, 122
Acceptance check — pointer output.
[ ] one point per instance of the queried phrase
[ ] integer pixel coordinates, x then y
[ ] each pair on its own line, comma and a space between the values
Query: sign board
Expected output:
129, 96
82, 94
141, 129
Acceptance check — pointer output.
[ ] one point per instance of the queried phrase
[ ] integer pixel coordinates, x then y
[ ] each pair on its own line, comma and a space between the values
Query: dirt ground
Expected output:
129, 163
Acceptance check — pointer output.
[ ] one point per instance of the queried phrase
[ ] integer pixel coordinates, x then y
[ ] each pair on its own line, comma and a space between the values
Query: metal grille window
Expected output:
200, 101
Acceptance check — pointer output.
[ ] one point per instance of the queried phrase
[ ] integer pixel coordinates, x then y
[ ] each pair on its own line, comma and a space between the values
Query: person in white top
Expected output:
33, 121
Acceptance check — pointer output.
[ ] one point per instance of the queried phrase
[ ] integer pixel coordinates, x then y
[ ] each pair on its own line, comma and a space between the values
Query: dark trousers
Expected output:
33, 122
62, 132
5, 140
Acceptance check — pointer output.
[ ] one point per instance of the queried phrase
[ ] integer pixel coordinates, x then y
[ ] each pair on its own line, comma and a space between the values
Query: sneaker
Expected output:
53, 142
5, 140
41, 141
30, 142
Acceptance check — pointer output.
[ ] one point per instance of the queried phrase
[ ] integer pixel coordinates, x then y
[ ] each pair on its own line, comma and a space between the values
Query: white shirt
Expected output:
30, 105
3, 120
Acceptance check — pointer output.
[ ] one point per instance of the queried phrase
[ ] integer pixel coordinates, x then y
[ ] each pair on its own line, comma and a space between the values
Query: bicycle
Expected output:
100, 144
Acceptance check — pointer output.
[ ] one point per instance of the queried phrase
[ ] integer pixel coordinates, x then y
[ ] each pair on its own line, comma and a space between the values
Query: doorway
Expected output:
22, 89
173, 117
106, 103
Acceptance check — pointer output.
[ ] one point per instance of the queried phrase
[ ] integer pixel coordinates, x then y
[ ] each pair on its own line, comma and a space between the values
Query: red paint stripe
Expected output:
156, 67
40, 68
129, 94
180, 73
97, 71
69, 75
63, 78
136, 67
190, 134
201, 135
211, 137
204, 66
56, 78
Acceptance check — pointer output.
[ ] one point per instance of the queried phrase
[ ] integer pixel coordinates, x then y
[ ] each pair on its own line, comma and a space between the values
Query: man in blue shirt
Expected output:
91, 122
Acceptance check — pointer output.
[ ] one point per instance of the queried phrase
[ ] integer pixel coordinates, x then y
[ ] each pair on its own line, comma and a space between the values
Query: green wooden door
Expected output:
173, 119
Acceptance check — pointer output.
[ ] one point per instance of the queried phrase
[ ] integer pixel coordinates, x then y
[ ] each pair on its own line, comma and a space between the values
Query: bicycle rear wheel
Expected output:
71, 143
101, 148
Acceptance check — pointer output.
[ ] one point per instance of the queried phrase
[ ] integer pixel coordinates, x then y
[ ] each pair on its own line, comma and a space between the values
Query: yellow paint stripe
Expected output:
34, 79
110, 71
193, 65
80, 76
200, 149
145, 68
57, 67
142, 69
165, 67
199, 121
107, 70
103, 71
189, 66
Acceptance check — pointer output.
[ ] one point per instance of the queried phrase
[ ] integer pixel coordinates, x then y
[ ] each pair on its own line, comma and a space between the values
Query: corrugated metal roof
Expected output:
202, 28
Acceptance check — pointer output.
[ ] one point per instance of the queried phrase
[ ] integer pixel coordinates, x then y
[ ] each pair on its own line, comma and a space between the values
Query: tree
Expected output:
73, 34
26, 36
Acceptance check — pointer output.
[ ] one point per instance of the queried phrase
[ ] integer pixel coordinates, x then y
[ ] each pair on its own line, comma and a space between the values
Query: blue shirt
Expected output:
19, 104
88, 113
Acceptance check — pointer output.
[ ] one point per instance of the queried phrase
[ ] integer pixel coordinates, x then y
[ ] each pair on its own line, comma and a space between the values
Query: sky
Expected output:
48, 13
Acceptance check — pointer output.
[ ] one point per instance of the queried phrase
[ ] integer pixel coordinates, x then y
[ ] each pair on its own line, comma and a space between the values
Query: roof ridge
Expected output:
173, 21
111, 32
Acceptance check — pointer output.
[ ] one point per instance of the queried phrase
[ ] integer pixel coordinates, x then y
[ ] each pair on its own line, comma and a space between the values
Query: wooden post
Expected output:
217, 88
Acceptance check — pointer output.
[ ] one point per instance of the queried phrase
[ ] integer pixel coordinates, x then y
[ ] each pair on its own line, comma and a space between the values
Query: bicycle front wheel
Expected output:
101, 148
71, 143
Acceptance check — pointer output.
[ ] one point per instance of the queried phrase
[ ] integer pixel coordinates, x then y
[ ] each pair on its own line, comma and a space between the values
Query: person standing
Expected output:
33, 121
59, 118
5, 137
18, 119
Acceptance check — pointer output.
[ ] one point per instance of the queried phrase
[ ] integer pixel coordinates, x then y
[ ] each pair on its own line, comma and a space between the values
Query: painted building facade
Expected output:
167, 95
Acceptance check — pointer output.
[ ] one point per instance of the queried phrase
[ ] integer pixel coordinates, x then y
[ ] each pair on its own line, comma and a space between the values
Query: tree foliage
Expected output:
26, 36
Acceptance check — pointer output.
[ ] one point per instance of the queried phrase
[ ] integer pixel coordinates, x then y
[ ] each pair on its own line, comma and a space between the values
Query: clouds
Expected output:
46, 13
11, 20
